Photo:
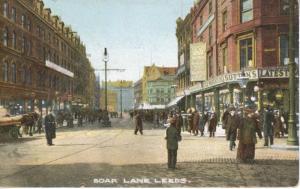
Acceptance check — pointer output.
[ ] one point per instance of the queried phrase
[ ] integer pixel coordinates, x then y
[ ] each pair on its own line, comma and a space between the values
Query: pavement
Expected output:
94, 156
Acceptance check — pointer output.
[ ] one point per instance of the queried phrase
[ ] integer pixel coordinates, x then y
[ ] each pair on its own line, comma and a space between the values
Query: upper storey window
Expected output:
246, 12
5, 9
284, 7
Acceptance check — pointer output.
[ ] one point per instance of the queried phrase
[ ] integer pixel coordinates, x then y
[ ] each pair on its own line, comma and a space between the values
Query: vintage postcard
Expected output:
149, 93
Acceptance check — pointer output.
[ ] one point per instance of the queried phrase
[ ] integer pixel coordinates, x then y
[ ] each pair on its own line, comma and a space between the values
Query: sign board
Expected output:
58, 68
198, 61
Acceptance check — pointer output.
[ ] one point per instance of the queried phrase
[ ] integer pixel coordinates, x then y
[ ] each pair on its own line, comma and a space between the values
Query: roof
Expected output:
163, 70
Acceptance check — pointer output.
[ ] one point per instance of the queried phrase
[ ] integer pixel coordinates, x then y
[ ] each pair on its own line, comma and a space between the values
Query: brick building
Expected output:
42, 61
241, 35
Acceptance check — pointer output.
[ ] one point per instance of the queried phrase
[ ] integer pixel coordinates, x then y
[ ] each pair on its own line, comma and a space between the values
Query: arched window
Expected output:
5, 9
13, 73
23, 75
14, 41
13, 14
23, 20
5, 37
5, 71
23, 44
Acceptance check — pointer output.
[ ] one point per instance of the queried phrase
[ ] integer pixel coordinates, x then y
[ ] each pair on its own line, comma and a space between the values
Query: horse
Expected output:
28, 120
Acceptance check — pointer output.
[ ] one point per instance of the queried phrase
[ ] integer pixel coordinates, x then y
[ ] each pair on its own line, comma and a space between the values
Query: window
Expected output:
5, 37
284, 7
5, 71
210, 35
284, 49
224, 20
29, 48
209, 62
246, 10
28, 76
23, 75
209, 7
14, 40
13, 73
13, 14
246, 53
201, 20
23, 20
5, 9
28, 24
23, 44
224, 59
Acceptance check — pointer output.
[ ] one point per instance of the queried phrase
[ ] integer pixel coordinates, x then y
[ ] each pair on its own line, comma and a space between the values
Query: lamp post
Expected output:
106, 121
243, 80
292, 134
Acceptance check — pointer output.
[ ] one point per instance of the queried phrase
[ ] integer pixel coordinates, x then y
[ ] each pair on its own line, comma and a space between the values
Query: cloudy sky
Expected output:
135, 32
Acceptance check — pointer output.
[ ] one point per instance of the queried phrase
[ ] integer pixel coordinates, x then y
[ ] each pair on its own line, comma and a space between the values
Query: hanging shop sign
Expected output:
58, 68
198, 61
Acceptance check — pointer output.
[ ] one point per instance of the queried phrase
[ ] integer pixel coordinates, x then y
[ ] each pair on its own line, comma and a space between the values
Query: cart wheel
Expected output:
13, 132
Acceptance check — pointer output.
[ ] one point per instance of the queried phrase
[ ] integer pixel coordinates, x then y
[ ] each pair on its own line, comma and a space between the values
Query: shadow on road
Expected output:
266, 173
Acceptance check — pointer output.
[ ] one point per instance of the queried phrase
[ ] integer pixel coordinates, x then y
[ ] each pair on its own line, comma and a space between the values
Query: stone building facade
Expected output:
42, 61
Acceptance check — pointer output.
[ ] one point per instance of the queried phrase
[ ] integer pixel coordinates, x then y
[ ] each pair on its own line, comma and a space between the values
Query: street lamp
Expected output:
106, 121
243, 80
292, 134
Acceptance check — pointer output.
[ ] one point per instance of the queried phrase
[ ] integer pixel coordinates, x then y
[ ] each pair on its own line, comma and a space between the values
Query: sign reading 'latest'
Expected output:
198, 61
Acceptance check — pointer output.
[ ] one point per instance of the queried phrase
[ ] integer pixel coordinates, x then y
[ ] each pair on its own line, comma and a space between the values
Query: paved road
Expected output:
100, 157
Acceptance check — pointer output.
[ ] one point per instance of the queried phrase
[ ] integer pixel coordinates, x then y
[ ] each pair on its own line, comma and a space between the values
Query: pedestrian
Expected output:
39, 124
138, 123
212, 124
247, 136
179, 122
278, 125
268, 126
50, 128
232, 123
202, 122
172, 137
196, 119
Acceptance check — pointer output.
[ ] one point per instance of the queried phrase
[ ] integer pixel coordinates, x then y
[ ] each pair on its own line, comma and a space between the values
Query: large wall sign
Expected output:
198, 61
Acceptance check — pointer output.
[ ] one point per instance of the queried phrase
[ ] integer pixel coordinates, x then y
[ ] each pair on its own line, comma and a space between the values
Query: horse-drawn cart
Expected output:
10, 126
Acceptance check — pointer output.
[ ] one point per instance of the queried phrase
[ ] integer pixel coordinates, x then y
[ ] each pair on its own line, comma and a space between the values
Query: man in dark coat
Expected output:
172, 137
268, 126
232, 124
196, 119
179, 122
212, 125
50, 128
138, 123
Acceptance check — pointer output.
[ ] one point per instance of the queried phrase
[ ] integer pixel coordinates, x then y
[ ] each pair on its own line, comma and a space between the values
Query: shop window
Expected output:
5, 9
5, 37
246, 10
284, 7
13, 14
246, 53
224, 20
14, 40
13, 73
284, 49
5, 71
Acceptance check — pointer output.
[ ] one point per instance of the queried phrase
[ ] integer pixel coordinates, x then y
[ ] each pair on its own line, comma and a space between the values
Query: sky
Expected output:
136, 33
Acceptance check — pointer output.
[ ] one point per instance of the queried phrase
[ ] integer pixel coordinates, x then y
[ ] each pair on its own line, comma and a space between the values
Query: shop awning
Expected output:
175, 101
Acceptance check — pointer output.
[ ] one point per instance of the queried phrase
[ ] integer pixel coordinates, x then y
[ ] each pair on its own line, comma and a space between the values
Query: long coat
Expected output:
247, 131
202, 122
213, 124
138, 122
267, 123
232, 124
50, 126
172, 138
196, 120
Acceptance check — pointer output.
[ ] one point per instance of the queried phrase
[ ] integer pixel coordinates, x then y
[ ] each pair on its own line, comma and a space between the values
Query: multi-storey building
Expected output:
242, 36
42, 61
138, 93
112, 100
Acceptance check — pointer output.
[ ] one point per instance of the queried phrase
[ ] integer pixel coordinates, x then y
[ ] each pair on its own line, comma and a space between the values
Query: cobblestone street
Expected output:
100, 157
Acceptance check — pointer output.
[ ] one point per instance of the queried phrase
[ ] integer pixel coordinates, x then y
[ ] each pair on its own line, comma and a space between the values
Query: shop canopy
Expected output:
175, 101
